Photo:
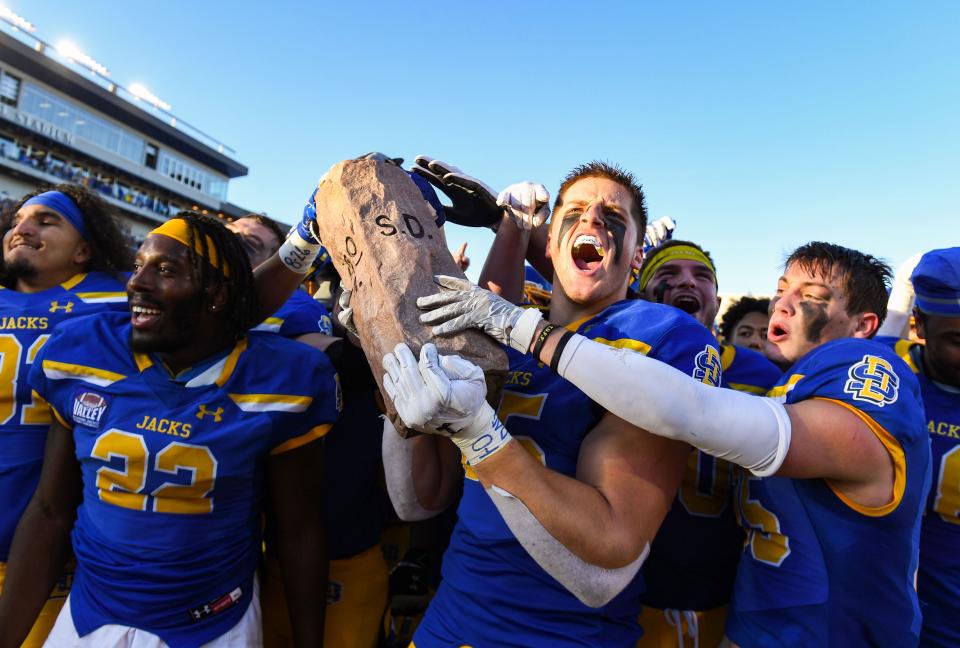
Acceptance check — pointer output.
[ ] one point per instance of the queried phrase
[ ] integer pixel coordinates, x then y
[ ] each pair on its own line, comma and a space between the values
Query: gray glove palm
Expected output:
463, 305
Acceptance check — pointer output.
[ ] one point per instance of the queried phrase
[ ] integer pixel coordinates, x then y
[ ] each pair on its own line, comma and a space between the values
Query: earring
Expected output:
213, 308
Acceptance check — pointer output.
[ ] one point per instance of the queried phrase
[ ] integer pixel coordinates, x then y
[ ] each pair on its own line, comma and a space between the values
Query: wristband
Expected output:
483, 437
297, 253
541, 339
521, 335
555, 360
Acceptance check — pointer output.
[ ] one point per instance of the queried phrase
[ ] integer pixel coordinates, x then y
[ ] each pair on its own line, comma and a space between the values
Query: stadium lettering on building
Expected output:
38, 125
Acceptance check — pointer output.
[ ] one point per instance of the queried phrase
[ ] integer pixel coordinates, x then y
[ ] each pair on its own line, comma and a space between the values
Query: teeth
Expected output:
140, 310
589, 239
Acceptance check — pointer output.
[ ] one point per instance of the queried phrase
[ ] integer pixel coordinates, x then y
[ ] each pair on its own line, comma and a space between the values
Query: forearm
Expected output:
303, 563
422, 473
503, 269
41, 547
275, 283
750, 431
576, 514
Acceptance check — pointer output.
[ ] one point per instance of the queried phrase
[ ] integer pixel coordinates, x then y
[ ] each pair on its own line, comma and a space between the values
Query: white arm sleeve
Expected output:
593, 586
398, 470
750, 431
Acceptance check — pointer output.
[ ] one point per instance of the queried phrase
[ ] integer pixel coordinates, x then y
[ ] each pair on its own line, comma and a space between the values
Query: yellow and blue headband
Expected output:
179, 230
673, 253
63, 205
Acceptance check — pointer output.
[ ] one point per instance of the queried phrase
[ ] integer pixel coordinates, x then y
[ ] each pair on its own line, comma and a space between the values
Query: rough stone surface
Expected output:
385, 244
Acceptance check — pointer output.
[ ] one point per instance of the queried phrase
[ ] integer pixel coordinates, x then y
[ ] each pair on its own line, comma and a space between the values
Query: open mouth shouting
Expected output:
687, 302
587, 252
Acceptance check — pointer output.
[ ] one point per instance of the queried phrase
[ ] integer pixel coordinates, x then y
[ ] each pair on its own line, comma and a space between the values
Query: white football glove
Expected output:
658, 231
345, 314
444, 395
527, 204
463, 305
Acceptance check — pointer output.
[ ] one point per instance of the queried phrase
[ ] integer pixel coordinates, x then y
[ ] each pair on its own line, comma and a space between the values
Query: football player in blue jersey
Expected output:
693, 560
936, 363
170, 428
838, 449
553, 527
64, 254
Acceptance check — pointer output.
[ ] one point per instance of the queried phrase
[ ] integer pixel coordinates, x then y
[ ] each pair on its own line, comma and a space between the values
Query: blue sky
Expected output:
758, 126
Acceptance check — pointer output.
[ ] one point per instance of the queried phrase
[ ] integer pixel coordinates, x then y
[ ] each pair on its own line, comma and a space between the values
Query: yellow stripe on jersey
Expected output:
143, 361
626, 343
727, 353
102, 297
303, 439
781, 390
575, 324
271, 324
896, 454
231, 362
101, 377
750, 389
271, 402
73, 281
902, 349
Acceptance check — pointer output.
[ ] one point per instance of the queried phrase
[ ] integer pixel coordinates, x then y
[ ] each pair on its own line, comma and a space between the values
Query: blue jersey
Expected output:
485, 569
938, 582
818, 569
168, 534
299, 315
693, 559
26, 321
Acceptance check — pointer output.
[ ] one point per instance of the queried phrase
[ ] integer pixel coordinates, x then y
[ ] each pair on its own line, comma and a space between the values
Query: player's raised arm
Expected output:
278, 276
41, 545
522, 234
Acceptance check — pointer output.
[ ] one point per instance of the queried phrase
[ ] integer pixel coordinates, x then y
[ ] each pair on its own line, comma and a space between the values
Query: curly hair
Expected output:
242, 309
740, 309
111, 246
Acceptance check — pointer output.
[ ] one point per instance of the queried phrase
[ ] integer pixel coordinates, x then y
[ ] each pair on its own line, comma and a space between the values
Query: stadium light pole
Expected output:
140, 91
69, 50
18, 22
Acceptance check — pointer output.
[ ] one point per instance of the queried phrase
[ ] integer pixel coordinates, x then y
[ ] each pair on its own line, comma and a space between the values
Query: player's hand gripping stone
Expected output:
463, 305
444, 395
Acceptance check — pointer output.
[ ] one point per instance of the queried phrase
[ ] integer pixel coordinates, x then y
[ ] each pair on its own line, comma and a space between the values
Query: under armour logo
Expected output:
56, 306
217, 414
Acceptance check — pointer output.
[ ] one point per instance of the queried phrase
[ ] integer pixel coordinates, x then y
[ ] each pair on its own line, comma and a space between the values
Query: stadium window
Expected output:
150, 159
9, 89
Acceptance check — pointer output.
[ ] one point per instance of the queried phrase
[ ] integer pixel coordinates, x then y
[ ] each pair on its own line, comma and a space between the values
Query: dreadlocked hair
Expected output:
111, 247
242, 309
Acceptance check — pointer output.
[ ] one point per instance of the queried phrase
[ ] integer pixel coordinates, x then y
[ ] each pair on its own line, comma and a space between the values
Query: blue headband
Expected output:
63, 205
